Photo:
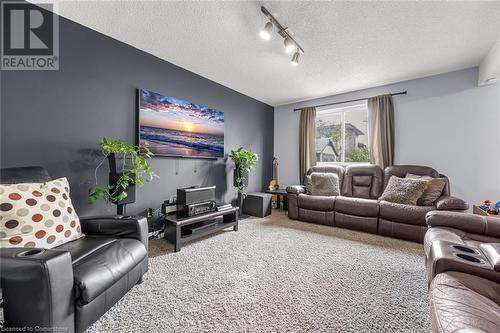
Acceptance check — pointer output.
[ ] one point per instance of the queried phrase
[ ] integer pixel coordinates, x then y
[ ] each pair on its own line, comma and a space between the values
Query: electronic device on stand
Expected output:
192, 201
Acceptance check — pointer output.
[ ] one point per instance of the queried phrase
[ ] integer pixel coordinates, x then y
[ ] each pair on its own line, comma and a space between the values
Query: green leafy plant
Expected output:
360, 154
244, 161
135, 169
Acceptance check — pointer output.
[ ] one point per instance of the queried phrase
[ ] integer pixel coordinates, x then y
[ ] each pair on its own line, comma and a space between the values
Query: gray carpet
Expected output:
278, 275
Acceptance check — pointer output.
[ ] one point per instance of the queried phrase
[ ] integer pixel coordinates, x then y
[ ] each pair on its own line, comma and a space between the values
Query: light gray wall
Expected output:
55, 118
445, 121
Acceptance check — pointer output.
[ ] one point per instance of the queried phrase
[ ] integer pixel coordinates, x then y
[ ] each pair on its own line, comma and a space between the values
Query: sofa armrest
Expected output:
466, 222
447, 202
135, 227
37, 287
296, 189
470, 223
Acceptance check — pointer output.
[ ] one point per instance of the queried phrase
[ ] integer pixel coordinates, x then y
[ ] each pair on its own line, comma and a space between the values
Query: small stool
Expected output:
257, 204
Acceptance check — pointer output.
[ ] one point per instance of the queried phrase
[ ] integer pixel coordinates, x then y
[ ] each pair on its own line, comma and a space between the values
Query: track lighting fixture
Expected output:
295, 58
266, 32
291, 44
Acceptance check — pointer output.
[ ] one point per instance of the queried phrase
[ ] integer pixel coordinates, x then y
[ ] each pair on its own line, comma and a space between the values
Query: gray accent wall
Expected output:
55, 118
445, 121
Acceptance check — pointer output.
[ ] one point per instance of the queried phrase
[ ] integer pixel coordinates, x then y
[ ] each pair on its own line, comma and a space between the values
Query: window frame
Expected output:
341, 109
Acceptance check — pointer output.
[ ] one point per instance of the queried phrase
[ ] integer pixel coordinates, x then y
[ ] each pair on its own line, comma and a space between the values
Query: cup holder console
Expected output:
473, 259
463, 248
30, 253
467, 253
470, 258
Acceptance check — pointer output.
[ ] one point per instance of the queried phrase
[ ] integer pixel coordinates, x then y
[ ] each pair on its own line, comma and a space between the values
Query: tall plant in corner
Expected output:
129, 163
244, 161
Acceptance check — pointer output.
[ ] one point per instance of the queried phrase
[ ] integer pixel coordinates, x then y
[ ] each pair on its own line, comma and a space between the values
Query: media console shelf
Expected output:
177, 233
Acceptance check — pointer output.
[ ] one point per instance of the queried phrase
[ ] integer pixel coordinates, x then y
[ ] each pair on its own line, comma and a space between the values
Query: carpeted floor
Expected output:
278, 275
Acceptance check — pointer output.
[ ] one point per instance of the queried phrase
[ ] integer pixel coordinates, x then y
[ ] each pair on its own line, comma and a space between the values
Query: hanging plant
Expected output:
134, 169
244, 161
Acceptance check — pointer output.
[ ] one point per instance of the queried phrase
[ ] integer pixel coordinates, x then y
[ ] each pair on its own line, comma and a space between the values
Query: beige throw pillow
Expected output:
37, 215
433, 190
404, 190
326, 184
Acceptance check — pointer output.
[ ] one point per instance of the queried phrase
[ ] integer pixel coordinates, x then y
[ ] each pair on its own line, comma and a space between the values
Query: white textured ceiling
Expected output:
348, 45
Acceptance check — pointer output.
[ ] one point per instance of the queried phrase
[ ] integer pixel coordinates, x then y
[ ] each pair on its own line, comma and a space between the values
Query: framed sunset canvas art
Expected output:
175, 127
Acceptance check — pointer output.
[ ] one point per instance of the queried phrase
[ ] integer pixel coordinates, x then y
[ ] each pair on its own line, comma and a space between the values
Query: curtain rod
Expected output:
352, 100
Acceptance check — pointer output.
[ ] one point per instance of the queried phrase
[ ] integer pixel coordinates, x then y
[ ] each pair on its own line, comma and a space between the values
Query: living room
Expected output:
250, 166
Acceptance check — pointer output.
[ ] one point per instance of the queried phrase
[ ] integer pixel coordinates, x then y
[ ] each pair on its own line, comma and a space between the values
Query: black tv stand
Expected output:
178, 236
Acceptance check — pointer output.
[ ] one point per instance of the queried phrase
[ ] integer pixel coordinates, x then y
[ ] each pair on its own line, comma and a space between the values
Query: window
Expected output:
342, 134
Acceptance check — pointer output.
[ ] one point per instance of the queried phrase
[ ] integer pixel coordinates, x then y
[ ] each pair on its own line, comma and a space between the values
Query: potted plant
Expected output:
128, 167
244, 161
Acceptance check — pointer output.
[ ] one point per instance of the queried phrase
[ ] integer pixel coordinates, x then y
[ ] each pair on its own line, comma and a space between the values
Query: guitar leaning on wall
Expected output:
275, 184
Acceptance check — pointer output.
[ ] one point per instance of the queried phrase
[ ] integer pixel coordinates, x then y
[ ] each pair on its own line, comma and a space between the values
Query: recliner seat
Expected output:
357, 207
403, 221
463, 297
462, 302
76, 282
100, 269
318, 209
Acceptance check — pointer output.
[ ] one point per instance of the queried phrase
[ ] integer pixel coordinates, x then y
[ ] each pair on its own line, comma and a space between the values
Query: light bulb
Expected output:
295, 58
266, 32
289, 45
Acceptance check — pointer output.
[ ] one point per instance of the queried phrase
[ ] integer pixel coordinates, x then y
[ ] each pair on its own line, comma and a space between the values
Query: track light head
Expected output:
289, 45
266, 32
295, 58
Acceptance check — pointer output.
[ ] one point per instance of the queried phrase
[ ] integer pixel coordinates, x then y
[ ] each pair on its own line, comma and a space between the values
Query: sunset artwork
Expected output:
174, 127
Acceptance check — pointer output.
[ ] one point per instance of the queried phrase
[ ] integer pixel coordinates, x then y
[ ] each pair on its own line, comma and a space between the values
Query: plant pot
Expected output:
245, 178
118, 163
240, 203
245, 184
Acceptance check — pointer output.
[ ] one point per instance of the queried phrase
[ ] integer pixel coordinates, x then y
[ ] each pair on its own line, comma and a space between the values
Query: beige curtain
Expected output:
381, 130
307, 140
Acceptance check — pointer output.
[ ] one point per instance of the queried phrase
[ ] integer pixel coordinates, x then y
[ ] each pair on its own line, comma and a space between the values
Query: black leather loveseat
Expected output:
67, 288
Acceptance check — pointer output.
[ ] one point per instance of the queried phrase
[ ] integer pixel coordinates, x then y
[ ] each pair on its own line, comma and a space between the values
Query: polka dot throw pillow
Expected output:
37, 215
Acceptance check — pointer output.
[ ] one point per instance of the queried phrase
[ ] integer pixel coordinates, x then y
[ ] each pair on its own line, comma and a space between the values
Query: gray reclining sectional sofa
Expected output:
358, 207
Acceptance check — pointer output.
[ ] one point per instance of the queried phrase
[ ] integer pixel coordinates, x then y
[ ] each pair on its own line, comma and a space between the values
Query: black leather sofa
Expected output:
67, 288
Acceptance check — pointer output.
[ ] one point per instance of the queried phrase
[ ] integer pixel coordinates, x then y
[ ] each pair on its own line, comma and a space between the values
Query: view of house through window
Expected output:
342, 134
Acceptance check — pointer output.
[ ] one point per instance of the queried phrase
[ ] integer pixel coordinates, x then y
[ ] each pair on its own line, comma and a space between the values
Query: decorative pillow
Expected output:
37, 215
404, 190
326, 184
433, 190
